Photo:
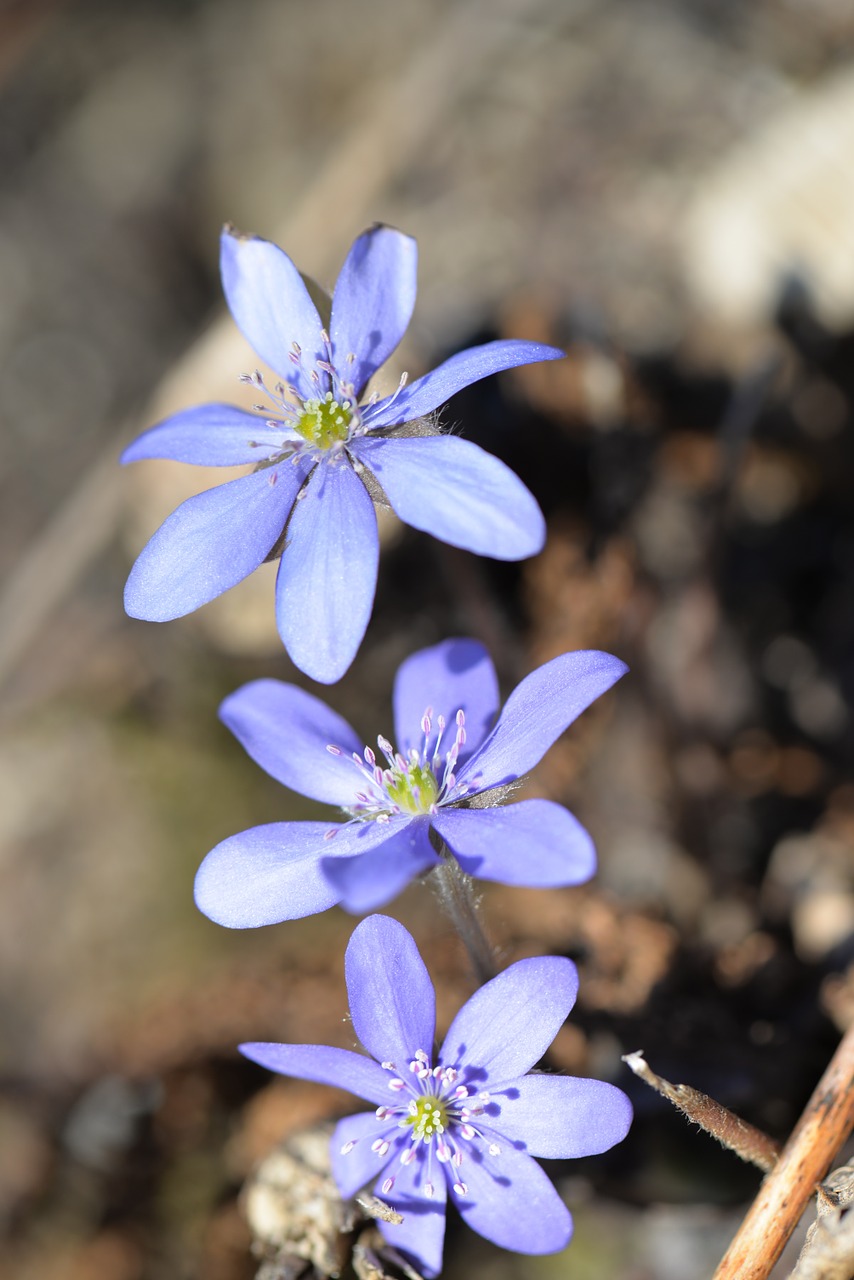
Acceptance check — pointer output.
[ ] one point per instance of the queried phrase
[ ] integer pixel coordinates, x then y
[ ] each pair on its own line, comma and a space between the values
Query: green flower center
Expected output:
325, 422
427, 1117
413, 789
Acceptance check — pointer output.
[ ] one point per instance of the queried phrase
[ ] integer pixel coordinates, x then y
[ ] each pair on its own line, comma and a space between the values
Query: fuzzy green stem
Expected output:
458, 901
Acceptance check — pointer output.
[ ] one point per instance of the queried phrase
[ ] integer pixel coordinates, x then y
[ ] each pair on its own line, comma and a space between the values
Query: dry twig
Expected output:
805, 1159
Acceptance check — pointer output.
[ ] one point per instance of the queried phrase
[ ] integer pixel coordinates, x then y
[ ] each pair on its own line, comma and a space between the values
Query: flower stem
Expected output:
458, 902
748, 1142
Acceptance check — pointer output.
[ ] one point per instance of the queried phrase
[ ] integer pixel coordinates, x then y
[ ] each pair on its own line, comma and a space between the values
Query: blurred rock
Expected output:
779, 206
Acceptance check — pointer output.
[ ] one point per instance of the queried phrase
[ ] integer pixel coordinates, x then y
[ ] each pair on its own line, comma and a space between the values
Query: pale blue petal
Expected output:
509, 1023
210, 435
359, 1166
373, 302
427, 393
421, 1235
212, 542
373, 879
536, 843
456, 675
339, 1067
328, 574
392, 1003
457, 492
286, 731
271, 306
559, 1117
536, 714
273, 872
510, 1201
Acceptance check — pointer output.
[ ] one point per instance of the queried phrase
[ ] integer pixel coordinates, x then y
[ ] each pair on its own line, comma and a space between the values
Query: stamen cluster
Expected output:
324, 423
414, 784
438, 1113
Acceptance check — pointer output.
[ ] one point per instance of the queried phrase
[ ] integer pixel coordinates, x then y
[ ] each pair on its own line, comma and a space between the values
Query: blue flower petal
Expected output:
210, 435
328, 574
360, 1165
458, 492
507, 1025
373, 302
377, 876
211, 542
392, 1003
427, 393
286, 731
273, 872
561, 1117
271, 306
536, 714
511, 1201
421, 1235
536, 843
456, 675
339, 1067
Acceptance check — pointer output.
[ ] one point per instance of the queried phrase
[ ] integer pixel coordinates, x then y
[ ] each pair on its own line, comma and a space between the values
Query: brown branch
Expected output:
805, 1159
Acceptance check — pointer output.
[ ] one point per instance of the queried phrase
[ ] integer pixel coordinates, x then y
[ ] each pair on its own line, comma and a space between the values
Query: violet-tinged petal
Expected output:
536, 714
456, 675
373, 302
271, 306
211, 542
392, 1003
421, 1235
273, 872
360, 1165
457, 492
210, 435
535, 843
560, 1117
339, 1067
512, 1202
426, 394
328, 574
507, 1025
379, 875
286, 731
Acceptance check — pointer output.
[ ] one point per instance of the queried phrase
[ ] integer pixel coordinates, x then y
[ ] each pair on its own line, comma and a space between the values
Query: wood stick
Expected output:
804, 1160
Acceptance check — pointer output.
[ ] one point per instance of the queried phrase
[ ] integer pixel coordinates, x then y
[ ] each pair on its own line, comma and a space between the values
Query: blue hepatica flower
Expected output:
442, 778
466, 1122
315, 445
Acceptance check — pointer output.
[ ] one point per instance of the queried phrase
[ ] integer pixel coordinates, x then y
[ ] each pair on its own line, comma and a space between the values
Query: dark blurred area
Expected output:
663, 188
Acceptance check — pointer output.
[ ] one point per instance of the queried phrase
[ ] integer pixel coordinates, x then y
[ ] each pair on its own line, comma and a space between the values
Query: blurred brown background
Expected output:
664, 188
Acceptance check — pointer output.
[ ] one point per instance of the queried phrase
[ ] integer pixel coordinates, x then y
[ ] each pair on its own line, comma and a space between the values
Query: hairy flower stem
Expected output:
748, 1142
458, 901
